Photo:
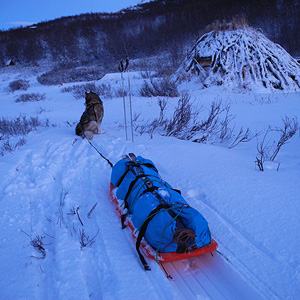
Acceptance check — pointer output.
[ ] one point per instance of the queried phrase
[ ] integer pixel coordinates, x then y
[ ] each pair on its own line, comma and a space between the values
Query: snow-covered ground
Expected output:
50, 185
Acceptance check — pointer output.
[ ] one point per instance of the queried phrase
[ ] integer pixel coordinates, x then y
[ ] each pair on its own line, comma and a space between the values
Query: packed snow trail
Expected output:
41, 193
48, 192
209, 277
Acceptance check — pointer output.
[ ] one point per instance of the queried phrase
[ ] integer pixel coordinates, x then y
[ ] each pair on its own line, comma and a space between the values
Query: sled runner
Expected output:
164, 226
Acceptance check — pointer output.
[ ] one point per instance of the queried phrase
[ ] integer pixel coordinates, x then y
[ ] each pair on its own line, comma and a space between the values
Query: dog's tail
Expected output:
79, 129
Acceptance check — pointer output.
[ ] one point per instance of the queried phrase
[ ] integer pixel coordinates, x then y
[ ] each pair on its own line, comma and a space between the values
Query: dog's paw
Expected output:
88, 134
101, 131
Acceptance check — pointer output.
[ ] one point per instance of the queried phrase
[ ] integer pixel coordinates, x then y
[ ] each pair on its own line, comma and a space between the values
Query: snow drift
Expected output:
239, 57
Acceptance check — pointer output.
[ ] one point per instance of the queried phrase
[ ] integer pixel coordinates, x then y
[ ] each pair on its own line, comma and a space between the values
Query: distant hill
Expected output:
157, 28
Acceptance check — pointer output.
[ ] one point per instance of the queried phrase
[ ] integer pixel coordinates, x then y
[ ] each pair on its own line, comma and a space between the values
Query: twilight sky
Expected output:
14, 13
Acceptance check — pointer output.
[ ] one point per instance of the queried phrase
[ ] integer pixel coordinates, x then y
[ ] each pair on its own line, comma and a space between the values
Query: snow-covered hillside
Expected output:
56, 244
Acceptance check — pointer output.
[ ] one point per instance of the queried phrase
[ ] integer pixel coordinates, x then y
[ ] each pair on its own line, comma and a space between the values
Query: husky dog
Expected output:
91, 118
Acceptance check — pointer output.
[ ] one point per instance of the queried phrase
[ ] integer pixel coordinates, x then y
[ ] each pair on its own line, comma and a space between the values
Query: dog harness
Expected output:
89, 111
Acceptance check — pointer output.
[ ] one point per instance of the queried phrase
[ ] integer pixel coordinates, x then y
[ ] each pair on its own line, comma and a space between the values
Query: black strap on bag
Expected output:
130, 168
148, 165
124, 216
143, 231
140, 175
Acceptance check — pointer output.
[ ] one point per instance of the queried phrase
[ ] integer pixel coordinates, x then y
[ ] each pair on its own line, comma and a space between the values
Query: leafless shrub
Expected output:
212, 121
262, 100
77, 213
20, 142
290, 127
141, 129
69, 124
79, 90
156, 124
146, 90
226, 132
213, 126
243, 136
153, 127
163, 69
162, 103
8, 146
19, 126
72, 211
32, 97
92, 209
159, 87
269, 152
185, 124
182, 117
20, 84
259, 163
38, 244
66, 75
146, 74
120, 92
85, 240
262, 150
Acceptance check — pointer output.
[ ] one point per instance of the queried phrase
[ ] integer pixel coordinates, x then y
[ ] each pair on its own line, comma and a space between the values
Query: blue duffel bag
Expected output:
157, 210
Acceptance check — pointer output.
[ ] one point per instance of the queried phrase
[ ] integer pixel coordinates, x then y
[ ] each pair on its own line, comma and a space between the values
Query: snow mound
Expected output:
240, 58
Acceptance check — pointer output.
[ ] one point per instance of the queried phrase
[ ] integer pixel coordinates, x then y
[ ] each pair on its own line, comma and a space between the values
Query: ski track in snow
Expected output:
68, 175
50, 185
209, 277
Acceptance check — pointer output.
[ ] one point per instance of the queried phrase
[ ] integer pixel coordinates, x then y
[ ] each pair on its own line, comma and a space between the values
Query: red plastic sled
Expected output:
150, 252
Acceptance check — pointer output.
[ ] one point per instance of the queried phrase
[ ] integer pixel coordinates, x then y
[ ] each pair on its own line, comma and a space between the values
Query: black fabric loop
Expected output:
144, 228
149, 190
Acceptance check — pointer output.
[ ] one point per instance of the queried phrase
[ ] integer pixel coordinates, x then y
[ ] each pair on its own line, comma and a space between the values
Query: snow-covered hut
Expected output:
239, 58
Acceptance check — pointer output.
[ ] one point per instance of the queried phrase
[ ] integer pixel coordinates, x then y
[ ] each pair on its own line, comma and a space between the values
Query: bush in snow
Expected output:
19, 126
156, 124
120, 92
267, 152
38, 244
159, 87
86, 240
179, 124
243, 136
146, 74
60, 76
79, 90
18, 85
10, 147
31, 97
185, 124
